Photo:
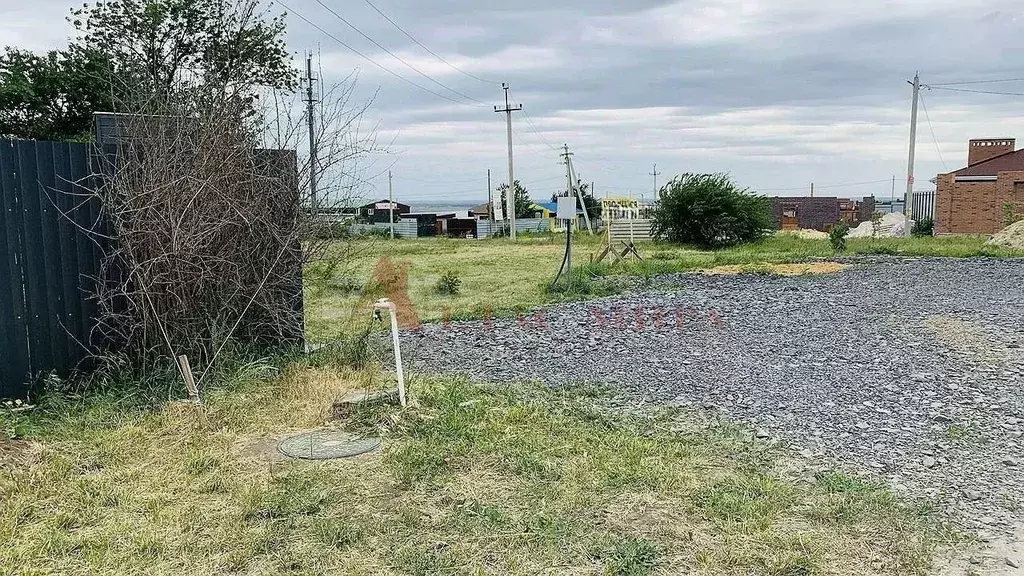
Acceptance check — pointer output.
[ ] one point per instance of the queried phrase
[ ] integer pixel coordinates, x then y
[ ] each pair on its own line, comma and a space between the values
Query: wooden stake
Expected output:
190, 380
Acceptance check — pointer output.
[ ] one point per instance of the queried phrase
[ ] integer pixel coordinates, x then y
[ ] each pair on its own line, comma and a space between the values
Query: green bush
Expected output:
837, 236
709, 210
923, 227
449, 283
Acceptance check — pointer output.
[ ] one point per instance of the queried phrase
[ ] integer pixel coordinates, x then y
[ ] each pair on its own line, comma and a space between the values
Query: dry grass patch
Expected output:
797, 269
510, 480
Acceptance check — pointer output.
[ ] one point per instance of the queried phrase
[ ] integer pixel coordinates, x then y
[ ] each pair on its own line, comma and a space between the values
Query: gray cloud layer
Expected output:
778, 92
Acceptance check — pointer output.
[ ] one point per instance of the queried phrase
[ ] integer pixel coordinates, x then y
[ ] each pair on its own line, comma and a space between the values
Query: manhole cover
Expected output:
326, 445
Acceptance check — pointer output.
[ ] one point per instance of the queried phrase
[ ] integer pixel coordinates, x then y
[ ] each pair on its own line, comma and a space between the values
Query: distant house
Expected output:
820, 213
481, 212
426, 223
455, 225
379, 212
975, 199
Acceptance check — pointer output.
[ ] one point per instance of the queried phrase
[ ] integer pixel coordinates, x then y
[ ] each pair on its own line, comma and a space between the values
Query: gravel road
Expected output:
911, 369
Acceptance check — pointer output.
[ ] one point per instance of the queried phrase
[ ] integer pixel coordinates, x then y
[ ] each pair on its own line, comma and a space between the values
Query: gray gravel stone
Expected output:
893, 357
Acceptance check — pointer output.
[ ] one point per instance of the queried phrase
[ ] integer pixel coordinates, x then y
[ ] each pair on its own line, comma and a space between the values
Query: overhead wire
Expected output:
932, 130
431, 52
826, 186
397, 57
367, 58
998, 81
948, 89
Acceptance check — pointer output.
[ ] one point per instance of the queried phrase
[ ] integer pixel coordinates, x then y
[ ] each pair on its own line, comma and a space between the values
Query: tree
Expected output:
50, 96
164, 44
709, 210
524, 206
592, 205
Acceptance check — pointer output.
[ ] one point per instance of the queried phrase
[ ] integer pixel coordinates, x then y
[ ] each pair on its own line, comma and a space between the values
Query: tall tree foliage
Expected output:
524, 206
51, 96
709, 210
129, 52
164, 44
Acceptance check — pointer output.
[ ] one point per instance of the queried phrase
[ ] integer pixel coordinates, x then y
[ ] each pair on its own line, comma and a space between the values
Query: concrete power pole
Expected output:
812, 189
312, 135
391, 206
655, 174
510, 196
490, 201
908, 199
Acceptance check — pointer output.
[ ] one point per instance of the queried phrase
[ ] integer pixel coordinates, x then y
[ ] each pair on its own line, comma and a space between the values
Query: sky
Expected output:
778, 93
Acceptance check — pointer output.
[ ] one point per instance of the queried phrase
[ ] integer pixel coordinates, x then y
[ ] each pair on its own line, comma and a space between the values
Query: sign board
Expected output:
386, 206
566, 208
499, 214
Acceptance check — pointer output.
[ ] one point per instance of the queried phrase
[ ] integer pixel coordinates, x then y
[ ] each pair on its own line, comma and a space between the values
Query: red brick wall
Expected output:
979, 150
975, 207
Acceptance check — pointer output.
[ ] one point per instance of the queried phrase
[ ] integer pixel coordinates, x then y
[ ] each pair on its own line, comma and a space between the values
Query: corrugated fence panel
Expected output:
487, 228
14, 368
47, 260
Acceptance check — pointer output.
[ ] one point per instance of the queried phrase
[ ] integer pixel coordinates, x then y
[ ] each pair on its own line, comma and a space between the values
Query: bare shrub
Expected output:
209, 210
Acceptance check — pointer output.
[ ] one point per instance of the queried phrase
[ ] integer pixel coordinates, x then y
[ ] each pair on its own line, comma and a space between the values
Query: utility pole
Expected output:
391, 206
655, 174
568, 223
908, 199
579, 191
490, 201
812, 189
510, 196
312, 135
892, 193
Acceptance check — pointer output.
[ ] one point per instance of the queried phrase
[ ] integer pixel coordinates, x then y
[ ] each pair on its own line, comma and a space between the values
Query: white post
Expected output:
391, 206
385, 304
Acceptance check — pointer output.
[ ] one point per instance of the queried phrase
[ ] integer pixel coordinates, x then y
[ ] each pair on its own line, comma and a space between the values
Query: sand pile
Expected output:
891, 226
1010, 237
806, 234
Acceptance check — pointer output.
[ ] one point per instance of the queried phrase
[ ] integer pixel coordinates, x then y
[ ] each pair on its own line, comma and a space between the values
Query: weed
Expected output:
630, 557
449, 284
837, 236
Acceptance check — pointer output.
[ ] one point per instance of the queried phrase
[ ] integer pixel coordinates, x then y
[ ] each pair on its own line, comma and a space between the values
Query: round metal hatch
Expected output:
327, 445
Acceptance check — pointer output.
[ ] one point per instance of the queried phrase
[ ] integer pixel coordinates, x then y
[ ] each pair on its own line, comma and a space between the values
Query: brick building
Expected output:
820, 213
974, 199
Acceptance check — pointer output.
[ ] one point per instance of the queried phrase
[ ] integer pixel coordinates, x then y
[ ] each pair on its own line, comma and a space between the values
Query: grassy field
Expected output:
471, 480
502, 277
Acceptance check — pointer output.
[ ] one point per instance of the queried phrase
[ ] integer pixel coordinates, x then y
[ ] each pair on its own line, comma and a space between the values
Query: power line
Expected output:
979, 82
843, 185
535, 130
431, 52
395, 56
940, 87
932, 130
367, 58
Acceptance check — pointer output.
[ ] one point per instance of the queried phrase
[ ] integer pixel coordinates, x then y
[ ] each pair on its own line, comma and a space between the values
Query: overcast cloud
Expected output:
779, 93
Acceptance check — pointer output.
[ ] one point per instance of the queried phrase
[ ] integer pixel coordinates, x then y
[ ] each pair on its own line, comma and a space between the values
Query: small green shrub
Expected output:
923, 227
449, 284
837, 236
710, 211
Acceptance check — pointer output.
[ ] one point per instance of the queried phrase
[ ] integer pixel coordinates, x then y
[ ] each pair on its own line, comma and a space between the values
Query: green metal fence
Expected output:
48, 261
